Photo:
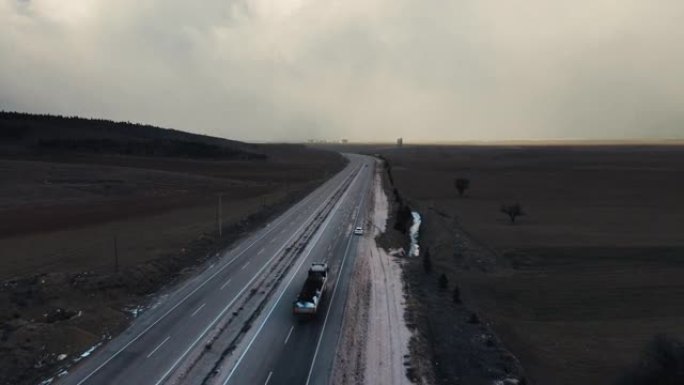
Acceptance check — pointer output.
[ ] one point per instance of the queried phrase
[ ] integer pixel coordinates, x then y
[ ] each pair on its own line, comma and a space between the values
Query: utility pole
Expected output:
218, 216
116, 254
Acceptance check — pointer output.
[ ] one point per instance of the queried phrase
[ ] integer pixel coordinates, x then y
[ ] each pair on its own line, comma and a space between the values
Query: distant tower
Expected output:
400, 142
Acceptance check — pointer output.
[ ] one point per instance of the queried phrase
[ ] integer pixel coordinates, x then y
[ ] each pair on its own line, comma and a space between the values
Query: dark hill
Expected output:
22, 133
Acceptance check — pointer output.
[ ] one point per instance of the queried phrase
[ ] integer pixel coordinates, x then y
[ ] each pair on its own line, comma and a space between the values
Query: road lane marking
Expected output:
332, 297
158, 346
269, 377
292, 211
249, 283
227, 282
313, 242
288, 335
261, 251
245, 265
198, 309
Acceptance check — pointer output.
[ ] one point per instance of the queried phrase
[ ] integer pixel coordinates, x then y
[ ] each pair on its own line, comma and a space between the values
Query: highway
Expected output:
232, 323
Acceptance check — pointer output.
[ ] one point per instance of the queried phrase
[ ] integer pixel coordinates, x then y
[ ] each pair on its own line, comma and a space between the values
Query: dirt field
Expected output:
585, 279
67, 214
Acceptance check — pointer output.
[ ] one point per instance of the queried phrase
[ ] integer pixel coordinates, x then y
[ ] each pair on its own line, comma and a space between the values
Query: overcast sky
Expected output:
372, 70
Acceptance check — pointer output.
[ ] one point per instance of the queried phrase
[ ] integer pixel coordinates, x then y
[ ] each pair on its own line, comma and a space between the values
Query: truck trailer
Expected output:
309, 298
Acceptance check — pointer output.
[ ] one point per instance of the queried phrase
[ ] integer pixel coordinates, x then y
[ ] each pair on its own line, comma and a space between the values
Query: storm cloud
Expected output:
371, 70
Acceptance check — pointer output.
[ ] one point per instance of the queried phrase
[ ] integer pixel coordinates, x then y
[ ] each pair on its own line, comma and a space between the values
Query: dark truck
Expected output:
310, 296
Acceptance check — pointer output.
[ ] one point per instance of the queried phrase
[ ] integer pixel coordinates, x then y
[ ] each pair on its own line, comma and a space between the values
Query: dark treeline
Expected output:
169, 148
72, 134
403, 217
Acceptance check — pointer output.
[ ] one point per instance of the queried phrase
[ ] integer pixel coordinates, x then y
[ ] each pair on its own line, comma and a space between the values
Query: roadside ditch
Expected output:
450, 343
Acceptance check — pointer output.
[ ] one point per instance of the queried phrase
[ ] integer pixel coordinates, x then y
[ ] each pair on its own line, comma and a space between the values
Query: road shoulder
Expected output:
373, 347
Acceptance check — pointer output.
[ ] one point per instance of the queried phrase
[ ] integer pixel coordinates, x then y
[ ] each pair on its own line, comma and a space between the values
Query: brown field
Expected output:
578, 286
62, 210
63, 214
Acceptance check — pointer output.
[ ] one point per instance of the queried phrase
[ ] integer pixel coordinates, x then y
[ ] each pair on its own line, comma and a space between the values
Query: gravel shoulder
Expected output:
374, 346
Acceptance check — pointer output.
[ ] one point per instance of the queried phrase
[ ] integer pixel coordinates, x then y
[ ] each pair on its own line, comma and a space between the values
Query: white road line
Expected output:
227, 282
269, 377
332, 297
261, 251
249, 283
280, 220
245, 265
288, 335
303, 258
198, 309
158, 346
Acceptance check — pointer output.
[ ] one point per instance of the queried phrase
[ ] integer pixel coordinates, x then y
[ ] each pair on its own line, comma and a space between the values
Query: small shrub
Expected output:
443, 282
461, 184
661, 363
456, 295
427, 262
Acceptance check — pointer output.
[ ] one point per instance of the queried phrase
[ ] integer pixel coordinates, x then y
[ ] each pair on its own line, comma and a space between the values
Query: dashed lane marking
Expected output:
158, 346
289, 334
197, 310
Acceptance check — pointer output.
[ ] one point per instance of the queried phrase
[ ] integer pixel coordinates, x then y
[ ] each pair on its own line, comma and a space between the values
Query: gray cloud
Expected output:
357, 69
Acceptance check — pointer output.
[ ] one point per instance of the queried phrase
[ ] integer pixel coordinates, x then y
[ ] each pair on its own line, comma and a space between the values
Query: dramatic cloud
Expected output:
356, 69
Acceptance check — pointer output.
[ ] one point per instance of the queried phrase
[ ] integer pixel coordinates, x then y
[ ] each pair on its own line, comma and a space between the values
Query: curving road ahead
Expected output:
233, 323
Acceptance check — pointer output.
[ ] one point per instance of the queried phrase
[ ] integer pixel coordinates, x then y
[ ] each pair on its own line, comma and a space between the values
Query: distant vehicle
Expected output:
358, 231
309, 298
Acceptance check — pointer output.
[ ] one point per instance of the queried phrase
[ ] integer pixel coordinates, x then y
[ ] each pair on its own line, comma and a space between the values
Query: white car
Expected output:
358, 231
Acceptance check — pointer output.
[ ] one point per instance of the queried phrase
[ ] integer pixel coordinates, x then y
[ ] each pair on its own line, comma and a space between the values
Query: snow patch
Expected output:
88, 352
414, 250
135, 311
507, 381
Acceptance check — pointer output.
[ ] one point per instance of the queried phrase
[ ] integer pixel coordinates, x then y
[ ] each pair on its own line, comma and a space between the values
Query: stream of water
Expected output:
414, 250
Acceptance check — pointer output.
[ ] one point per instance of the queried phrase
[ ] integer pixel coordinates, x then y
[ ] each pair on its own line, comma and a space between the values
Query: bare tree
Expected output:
512, 210
462, 184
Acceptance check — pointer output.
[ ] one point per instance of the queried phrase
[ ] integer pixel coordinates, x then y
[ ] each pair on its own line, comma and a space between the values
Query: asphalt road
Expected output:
278, 350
